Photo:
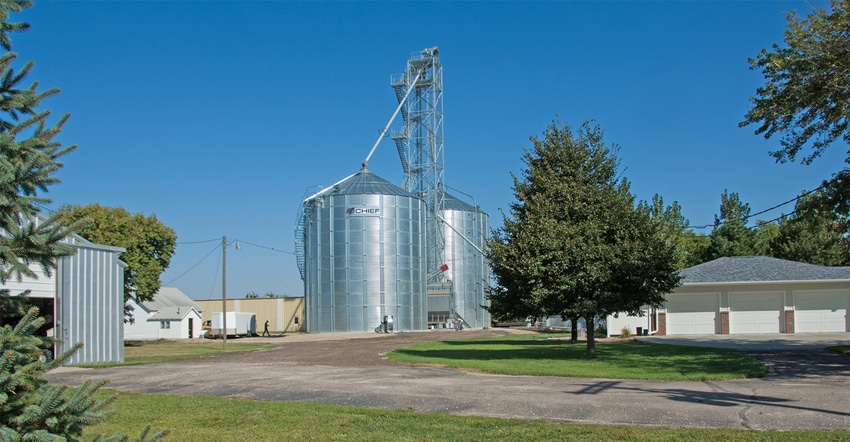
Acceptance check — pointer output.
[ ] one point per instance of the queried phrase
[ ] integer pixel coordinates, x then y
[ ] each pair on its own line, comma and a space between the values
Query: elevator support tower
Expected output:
420, 147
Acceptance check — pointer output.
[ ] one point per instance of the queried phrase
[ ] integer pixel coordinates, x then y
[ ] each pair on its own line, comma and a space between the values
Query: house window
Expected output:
164, 324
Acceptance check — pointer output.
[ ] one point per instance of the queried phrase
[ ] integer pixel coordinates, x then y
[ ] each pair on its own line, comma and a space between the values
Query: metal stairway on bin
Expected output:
303, 217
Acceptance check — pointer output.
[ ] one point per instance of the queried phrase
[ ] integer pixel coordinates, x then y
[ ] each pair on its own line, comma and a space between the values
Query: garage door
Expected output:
692, 314
820, 311
755, 312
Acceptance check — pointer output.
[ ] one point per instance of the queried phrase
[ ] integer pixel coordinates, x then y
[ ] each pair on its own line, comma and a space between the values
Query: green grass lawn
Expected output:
536, 355
840, 349
155, 352
207, 419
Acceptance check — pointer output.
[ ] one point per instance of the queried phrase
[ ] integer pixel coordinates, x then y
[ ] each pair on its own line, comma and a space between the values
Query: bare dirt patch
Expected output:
354, 352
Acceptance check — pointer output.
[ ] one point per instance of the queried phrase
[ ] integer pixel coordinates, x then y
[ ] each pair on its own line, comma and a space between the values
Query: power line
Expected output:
786, 202
793, 212
215, 277
196, 264
45, 208
198, 242
218, 246
807, 192
264, 247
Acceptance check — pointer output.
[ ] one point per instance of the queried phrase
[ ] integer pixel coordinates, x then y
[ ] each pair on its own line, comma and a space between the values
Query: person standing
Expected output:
266, 329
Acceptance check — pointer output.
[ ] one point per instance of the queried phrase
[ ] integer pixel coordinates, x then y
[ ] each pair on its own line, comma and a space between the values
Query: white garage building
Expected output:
756, 294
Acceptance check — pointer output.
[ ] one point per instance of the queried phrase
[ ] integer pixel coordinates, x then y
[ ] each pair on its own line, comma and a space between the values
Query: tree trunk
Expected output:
591, 343
574, 331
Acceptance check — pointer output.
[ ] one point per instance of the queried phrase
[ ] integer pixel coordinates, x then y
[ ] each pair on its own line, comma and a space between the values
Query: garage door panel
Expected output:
820, 311
691, 323
692, 314
755, 312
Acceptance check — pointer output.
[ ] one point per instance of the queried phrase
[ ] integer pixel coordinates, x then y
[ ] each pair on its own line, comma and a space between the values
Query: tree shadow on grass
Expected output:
629, 360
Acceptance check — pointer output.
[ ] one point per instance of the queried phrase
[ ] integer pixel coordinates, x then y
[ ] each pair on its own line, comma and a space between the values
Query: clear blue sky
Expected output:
217, 116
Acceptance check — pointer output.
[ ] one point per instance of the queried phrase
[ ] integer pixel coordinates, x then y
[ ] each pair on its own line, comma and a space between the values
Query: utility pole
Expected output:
224, 292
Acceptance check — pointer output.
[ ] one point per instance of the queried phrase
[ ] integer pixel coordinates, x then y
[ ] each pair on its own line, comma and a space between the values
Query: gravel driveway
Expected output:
806, 389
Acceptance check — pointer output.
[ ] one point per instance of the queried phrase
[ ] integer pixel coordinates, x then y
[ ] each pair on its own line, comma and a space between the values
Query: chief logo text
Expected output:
363, 211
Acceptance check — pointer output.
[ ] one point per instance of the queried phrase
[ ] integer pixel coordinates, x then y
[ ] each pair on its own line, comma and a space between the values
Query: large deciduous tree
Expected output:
694, 245
575, 244
148, 242
30, 408
806, 96
672, 226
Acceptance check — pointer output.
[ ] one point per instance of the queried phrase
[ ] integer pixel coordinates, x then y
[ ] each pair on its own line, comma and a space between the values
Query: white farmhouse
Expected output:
171, 315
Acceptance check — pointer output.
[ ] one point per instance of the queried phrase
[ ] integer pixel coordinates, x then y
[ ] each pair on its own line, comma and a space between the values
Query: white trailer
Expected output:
238, 324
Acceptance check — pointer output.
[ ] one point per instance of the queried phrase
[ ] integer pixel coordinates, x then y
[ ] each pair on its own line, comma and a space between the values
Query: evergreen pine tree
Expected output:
30, 408
730, 236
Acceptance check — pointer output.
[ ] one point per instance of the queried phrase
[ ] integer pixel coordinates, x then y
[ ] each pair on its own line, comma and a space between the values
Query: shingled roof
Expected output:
171, 314
171, 297
759, 269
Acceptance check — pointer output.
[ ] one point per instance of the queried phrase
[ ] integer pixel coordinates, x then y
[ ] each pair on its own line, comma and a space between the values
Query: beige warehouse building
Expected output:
283, 314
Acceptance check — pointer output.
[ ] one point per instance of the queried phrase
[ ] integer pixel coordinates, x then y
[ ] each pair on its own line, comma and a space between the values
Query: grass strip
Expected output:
204, 419
156, 352
840, 349
537, 355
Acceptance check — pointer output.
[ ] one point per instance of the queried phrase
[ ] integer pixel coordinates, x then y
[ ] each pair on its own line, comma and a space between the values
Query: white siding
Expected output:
146, 327
616, 325
140, 329
40, 287
175, 330
183, 325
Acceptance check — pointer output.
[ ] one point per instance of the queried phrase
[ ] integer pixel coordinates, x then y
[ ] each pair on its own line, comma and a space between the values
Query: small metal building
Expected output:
363, 256
90, 303
85, 298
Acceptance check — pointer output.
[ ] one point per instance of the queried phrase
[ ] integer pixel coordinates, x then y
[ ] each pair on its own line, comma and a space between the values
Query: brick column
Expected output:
789, 321
662, 324
724, 322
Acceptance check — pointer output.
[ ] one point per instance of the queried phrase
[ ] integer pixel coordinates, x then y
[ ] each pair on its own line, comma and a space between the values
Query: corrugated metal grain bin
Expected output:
364, 256
465, 231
